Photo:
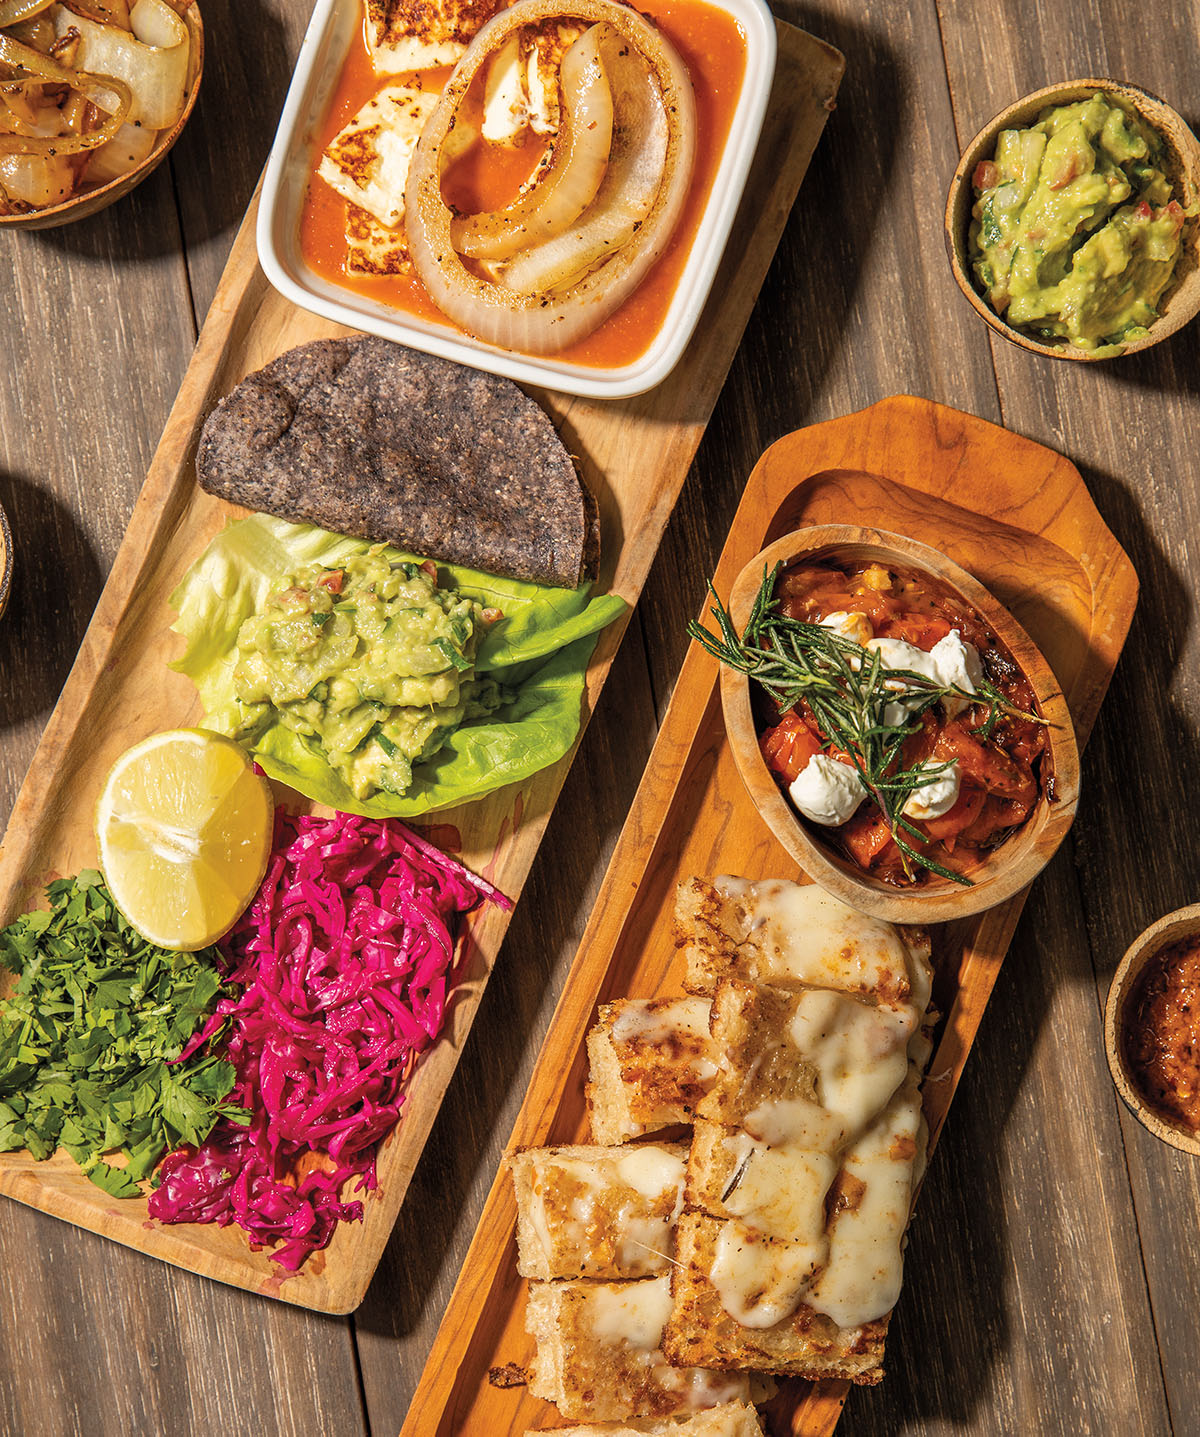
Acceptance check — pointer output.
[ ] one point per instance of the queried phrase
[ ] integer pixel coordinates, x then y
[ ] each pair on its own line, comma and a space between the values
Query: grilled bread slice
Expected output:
805, 1343
650, 1065
795, 935
599, 1353
603, 1212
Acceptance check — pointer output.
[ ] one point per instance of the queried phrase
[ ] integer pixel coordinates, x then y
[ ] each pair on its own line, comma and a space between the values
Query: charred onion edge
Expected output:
545, 323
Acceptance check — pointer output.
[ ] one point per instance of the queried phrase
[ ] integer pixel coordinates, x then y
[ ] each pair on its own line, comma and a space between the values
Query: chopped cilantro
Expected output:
88, 1036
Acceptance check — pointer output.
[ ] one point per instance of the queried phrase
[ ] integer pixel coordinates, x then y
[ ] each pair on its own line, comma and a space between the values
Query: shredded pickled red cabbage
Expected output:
344, 960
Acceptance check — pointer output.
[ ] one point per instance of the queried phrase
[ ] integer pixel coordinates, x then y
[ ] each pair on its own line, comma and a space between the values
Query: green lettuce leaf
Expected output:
540, 651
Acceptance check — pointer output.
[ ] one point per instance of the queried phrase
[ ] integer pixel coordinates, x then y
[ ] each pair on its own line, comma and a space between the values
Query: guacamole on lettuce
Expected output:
372, 659
1075, 234
452, 655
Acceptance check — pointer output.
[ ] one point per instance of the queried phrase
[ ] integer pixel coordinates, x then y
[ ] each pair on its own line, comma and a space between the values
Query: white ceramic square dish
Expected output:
335, 26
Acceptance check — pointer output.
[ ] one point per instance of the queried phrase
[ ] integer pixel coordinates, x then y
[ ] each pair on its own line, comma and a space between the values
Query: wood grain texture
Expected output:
1026, 1305
1131, 426
634, 455
693, 816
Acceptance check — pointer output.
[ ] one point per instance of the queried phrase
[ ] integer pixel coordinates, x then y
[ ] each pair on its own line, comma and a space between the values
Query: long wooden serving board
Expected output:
1018, 517
635, 456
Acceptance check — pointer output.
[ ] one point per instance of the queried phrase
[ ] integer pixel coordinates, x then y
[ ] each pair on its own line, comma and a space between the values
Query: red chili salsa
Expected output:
1162, 1033
999, 779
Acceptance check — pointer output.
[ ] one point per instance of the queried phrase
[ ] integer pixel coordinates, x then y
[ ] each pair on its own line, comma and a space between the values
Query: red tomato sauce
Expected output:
999, 783
712, 45
1162, 1033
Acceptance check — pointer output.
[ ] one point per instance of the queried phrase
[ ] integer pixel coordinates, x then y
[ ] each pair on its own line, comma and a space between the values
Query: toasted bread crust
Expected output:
807, 1344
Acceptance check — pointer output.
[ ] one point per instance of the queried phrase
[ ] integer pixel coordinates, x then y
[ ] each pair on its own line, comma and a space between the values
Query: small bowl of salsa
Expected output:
1152, 1029
1073, 221
896, 728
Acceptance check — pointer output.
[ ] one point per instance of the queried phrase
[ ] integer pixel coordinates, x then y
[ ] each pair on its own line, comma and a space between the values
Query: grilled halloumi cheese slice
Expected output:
406, 35
367, 161
521, 91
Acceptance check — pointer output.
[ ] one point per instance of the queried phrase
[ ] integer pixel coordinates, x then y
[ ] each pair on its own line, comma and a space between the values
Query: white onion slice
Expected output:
573, 176
124, 152
153, 61
624, 199
546, 323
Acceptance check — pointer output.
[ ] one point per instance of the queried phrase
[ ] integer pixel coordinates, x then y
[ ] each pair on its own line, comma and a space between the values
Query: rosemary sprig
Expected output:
848, 690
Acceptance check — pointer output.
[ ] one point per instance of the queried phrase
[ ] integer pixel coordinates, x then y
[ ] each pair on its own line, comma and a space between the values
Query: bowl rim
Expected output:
1185, 151
6, 560
1179, 924
288, 170
104, 195
1039, 837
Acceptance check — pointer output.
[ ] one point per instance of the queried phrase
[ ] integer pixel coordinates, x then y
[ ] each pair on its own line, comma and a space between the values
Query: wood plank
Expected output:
1131, 424
106, 1342
635, 455
85, 307
1036, 540
250, 52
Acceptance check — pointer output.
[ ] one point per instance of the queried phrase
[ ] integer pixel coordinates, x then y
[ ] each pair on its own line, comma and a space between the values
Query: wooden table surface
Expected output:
1052, 1281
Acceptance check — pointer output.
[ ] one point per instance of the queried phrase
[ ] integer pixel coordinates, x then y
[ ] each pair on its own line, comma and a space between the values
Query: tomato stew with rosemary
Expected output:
998, 770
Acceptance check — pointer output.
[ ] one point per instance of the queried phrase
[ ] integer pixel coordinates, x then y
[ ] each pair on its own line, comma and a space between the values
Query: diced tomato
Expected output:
1177, 213
966, 809
1142, 210
996, 815
989, 767
867, 837
429, 569
920, 630
985, 176
788, 747
332, 581
1071, 170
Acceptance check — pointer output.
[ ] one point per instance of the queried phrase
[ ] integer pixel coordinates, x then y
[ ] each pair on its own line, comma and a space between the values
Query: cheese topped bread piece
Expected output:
367, 161
795, 935
809, 1143
650, 1064
731, 1419
405, 35
603, 1212
599, 1353
810, 1068
746, 1297
805, 1343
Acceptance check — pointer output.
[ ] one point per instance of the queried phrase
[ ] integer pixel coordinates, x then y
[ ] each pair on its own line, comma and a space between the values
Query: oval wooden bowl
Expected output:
79, 206
1183, 923
1182, 299
6, 561
1011, 866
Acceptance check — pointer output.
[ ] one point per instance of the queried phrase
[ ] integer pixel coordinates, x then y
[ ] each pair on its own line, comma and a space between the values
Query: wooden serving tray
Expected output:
1018, 517
635, 456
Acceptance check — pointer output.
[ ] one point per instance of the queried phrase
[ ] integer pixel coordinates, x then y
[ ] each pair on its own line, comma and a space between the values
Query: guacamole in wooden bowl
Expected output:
1073, 218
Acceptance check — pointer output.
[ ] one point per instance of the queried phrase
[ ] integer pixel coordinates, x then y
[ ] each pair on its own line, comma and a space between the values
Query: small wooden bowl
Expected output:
6, 561
1006, 870
1181, 300
1183, 923
88, 202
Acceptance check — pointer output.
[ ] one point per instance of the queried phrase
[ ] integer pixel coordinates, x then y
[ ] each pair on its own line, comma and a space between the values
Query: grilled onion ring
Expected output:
570, 184
544, 323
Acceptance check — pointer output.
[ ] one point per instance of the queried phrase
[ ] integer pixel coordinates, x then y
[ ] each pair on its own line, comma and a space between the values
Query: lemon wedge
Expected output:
183, 827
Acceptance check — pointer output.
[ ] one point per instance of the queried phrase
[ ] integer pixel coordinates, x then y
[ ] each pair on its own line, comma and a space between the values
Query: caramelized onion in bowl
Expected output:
91, 95
560, 287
